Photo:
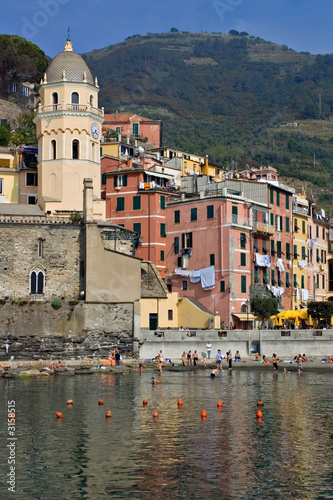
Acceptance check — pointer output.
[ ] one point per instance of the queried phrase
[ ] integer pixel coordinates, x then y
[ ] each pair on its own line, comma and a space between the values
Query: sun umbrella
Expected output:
303, 313
296, 321
310, 322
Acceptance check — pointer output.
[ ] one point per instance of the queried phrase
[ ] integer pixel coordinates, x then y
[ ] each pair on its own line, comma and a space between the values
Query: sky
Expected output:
302, 25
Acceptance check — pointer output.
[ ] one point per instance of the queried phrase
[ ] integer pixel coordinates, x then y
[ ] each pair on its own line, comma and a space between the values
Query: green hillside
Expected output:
233, 97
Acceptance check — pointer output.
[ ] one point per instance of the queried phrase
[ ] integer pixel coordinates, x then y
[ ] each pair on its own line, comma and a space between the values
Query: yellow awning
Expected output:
245, 317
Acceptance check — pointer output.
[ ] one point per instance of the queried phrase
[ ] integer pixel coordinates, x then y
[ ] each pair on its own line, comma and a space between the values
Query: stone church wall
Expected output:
60, 247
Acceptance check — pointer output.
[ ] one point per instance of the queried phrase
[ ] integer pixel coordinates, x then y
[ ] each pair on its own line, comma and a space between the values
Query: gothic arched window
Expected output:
37, 281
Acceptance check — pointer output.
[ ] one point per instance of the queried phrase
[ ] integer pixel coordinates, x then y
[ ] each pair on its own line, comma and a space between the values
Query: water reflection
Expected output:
131, 455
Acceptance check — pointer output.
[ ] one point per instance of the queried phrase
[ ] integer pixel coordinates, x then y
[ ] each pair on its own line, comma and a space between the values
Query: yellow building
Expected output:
192, 164
68, 125
174, 312
300, 251
9, 177
110, 149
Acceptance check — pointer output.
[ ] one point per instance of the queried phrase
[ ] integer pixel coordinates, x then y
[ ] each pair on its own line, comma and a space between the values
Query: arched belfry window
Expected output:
37, 281
75, 149
53, 149
91, 100
55, 99
75, 98
75, 101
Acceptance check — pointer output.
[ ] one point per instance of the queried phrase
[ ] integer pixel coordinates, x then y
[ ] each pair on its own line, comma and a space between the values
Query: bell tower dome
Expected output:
68, 123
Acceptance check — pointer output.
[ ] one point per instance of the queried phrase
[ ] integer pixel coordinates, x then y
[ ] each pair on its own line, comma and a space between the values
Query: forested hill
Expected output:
231, 96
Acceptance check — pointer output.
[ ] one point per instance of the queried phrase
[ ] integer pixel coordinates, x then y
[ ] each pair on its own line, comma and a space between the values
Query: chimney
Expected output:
88, 213
129, 162
117, 114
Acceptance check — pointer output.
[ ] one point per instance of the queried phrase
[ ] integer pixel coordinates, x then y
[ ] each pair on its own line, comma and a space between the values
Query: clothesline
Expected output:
206, 275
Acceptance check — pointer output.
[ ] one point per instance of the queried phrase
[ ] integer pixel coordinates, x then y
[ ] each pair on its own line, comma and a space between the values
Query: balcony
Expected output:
235, 220
76, 108
300, 210
263, 228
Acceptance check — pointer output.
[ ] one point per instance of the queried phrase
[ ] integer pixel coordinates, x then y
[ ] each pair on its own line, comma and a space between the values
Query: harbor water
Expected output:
229, 455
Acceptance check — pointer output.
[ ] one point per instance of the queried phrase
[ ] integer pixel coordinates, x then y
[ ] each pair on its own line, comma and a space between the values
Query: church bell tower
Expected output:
68, 123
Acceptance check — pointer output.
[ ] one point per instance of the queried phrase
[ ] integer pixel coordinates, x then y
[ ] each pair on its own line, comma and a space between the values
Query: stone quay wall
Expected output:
35, 330
285, 343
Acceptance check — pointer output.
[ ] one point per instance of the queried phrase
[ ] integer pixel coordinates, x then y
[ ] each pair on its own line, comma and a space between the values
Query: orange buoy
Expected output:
108, 414
259, 414
70, 402
145, 402
180, 402
260, 403
100, 402
155, 414
59, 414
204, 413
219, 404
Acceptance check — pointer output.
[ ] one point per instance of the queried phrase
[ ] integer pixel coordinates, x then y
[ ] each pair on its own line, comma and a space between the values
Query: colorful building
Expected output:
300, 251
136, 198
318, 267
135, 127
9, 176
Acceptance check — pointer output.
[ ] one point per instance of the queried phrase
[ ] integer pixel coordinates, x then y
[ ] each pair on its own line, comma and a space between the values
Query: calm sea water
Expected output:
230, 455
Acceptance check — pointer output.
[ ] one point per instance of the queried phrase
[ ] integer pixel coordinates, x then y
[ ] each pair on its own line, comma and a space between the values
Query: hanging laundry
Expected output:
302, 264
279, 265
207, 277
305, 294
196, 277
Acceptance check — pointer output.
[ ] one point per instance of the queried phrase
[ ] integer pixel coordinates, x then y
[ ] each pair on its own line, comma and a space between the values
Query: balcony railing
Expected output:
262, 227
300, 210
237, 220
81, 108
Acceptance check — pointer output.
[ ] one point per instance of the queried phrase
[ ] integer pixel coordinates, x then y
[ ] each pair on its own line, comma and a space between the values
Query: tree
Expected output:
174, 30
264, 308
4, 134
321, 311
20, 61
26, 131
234, 32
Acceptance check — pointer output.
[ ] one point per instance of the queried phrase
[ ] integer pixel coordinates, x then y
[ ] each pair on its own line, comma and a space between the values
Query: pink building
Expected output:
239, 230
135, 127
209, 253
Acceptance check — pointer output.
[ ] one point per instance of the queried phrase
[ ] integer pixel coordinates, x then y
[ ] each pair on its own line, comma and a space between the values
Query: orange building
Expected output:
136, 199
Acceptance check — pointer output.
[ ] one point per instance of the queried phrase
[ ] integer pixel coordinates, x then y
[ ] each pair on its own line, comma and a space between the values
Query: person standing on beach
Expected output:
117, 356
189, 358
208, 349
218, 360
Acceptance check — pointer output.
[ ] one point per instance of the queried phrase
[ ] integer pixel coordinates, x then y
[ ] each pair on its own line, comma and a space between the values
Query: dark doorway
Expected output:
153, 321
